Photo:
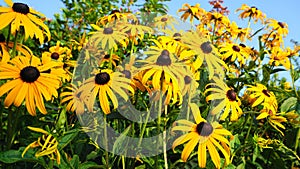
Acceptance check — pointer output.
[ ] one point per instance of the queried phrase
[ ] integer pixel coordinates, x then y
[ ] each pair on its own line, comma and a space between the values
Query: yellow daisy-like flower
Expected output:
115, 15
107, 37
134, 29
209, 136
228, 97
29, 82
20, 15
105, 84
192, 12
279, 57
165, 21
205, 52
280, 27
262, 95
57, 53
72, 96
47, 144
234, 51
161, 65
251, 12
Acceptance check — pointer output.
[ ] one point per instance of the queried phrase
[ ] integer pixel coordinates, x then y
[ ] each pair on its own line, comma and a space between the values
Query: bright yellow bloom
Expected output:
228, 100
164, 22
280, 27
209, 136
47, 144
105, 84
192, 12
29, 81
234, 52
20, 15
251, 12
262, 95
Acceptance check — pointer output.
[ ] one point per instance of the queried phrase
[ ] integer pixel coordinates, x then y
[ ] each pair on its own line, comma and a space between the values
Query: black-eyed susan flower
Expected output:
209, 136
47, 144
29, 82
72, 99
279, 57
228, 100
164, 21
192, 12
135, 29
234, 52
114, 16
280, 27
205, 51
262, 95
251, 12
106, 84
21, 15
162, 64
107, 37
57, 53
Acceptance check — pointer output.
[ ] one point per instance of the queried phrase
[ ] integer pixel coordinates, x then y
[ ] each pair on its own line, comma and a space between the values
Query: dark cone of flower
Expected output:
127, 74
2, 38
114, 11
206, 47
281, 24
107, 56
204, 129
55, 55
108, 31
164, 58
177, 36
20, 8
164, 19
29, 74
231, 95
236, 48
102, 78
266, 92
187, 79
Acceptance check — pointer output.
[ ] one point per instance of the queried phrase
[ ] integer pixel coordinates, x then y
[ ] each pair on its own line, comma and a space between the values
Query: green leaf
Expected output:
121, 141
288, 104
89, 164
75, 161
277, 70
67, 138
61, 120
13, 156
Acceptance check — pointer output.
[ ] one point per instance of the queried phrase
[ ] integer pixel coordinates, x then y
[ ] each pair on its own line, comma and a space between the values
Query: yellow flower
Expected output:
47, 144
115, 15
107, 37
29, 77
280, 27
262, 95
279, 57
205, 51
234, 51
251, 12
20, 15
165, 21
209, 136
105, 84
192, 11
264, 143
228, 100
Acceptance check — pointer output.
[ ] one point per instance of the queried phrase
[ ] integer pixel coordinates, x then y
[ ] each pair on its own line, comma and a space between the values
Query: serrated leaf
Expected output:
288, 103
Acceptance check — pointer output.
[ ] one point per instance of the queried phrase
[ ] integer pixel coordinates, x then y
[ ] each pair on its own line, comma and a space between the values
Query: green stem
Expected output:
105, 142
293, 77
296, 146
144, 128
123, 162
165, 140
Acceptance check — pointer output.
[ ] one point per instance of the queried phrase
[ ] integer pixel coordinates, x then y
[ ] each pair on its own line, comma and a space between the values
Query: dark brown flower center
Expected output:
2, 38
204, 129
127, 74
242, 45
236, 48
20, 8
29, 74
164, 58
266, 92
114, 11
102, 78
231, 95
206, 47
164, 19
187, 79
177, 36
107, 56
281, 24
108, 31
55, 55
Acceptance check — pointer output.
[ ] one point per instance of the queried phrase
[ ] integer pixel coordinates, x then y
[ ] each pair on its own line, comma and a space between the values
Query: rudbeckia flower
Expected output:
209, 136
20, 15
114, 16
192, 12
107, 37
165, 21
251, 12
106, 84
29, 82
47, 144
205, 51
234, 52
280, 27
228, 100
262, 95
